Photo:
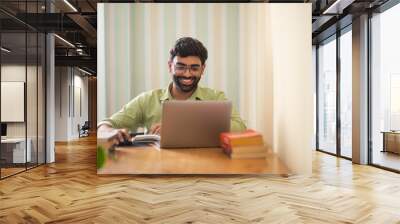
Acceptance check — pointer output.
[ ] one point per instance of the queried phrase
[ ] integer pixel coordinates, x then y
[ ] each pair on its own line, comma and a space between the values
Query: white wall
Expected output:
293, 85
314, 73
34, 125
79, 117
67, 115
61, 103
17, 73
14, 73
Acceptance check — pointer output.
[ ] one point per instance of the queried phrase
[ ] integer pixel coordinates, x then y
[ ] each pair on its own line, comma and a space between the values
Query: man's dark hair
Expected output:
187, 46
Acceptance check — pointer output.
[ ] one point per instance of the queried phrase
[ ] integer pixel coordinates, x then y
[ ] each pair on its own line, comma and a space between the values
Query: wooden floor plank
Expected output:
70, 191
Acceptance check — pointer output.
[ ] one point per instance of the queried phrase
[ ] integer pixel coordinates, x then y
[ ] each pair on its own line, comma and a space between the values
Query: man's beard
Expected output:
186, 88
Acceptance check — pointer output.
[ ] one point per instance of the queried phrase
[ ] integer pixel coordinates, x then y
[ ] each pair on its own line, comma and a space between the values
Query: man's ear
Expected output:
170, 66
203, 68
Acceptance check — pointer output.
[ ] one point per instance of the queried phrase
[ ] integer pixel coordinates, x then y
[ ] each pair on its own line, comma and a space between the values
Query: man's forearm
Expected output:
103, 130
104, 123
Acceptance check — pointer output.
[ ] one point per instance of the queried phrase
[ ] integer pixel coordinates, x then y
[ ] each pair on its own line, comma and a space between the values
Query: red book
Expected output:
231, 140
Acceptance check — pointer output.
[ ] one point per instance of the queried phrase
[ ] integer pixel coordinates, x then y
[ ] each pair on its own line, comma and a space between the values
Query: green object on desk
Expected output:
101, 156
145, 109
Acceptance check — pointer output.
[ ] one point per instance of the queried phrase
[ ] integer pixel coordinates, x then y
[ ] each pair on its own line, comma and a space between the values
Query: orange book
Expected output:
248, 155
230, 140
248, 149
244, 150
248, 137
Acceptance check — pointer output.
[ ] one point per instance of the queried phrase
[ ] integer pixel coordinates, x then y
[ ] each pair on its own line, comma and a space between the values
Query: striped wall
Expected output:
71, 102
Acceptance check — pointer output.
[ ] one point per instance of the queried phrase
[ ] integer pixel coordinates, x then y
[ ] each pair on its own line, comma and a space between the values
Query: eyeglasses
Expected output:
182, 68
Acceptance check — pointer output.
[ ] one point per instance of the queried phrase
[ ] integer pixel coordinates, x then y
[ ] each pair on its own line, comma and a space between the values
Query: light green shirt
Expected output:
145, 109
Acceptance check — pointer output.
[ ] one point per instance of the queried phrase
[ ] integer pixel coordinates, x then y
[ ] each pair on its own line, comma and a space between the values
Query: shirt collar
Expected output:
166, 95
197, 94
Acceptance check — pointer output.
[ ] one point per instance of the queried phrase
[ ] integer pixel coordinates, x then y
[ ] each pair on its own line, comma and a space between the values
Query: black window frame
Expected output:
31, 30
334, 37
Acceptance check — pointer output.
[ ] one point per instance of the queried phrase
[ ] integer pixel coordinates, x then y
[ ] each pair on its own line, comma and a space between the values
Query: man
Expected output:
186, 66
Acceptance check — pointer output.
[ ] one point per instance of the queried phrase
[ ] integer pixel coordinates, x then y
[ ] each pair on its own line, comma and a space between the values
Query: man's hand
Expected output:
156, 129
114, 135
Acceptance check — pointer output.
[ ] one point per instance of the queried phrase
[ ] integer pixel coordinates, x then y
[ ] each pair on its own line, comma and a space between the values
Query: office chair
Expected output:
84, 130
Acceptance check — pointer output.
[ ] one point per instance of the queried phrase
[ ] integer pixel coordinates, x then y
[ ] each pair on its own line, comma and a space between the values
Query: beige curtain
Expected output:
138, 38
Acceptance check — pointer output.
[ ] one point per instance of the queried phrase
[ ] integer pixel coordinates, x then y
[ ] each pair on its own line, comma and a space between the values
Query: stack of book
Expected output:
247, 144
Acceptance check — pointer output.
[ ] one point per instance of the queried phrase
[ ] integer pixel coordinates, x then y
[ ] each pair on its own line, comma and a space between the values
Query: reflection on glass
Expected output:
23, 84
13, 85
386, 87
346, 94
327, 97
395, 101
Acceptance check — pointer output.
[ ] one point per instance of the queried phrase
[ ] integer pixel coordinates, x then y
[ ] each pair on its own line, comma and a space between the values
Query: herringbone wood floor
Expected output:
69, 191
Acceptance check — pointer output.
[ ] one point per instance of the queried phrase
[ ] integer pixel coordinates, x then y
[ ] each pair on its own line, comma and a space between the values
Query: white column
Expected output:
360, 90
50, 99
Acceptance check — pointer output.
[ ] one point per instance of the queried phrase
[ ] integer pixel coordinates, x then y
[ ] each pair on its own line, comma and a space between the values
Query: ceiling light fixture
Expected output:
70, 5
5, 50
79, 51
84, 71
337, 7
65, 41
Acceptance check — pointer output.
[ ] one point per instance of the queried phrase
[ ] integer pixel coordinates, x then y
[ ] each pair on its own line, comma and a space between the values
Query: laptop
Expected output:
194, 124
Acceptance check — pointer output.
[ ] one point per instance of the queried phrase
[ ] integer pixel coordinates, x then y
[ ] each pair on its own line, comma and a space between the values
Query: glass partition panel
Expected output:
327, 96
14, 153
385, 82
22, 66
346, 94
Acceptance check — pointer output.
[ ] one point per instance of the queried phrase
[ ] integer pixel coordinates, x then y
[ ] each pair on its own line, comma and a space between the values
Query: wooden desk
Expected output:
13, 150
152, 160
391, 141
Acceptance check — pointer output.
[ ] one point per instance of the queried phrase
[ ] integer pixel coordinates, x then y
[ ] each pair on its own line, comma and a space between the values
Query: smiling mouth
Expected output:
187, 81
